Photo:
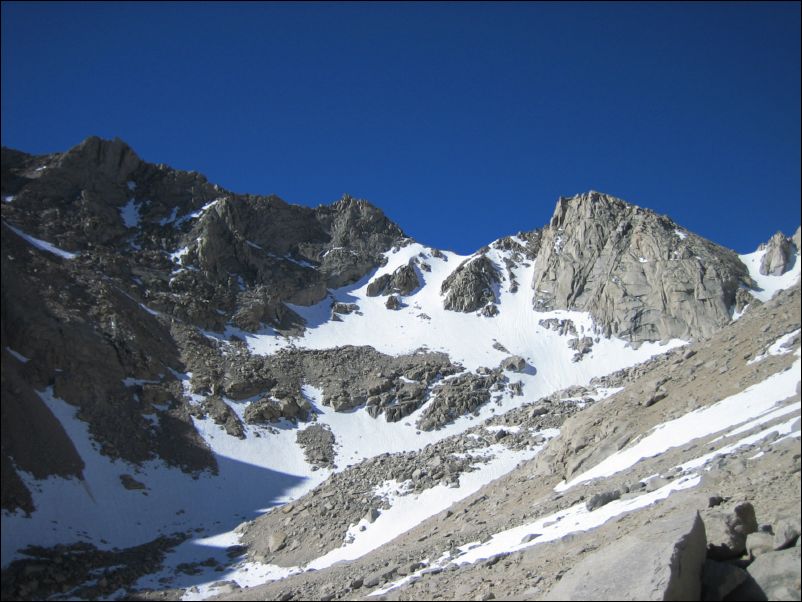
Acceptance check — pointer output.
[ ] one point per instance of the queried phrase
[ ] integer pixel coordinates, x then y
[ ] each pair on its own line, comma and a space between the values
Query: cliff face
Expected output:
640, 275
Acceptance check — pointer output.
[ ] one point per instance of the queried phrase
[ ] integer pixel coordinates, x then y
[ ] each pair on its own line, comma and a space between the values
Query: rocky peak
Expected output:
640, 275
780, 254
112, 159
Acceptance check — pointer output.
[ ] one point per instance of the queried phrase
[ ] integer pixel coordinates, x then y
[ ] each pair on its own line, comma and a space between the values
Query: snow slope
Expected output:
268, 466
769, 285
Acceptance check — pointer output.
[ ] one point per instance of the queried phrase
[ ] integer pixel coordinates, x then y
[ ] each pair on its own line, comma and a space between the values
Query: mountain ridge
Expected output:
181, 327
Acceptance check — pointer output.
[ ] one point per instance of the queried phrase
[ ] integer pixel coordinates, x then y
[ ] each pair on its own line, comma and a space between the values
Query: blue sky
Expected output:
464, 122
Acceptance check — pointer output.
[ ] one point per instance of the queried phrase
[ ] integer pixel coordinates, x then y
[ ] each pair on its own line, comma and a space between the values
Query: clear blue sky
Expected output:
464, 122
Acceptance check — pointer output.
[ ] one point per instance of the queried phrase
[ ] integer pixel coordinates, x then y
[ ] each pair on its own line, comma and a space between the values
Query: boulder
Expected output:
514, 363
378, 286
759, 543
276, 541
727, 529
602, 499
393, 302
777, 575
779, 255
674, 551
786, 534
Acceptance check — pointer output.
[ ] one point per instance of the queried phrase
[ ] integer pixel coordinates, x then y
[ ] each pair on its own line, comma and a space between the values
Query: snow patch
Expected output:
731, 411
778, 347
130, 214
768, 286
42, 244
18, 356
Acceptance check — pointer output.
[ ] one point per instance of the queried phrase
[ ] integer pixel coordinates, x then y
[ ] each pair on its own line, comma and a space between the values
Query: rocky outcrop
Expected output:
403, 281
640, 275
780, 254
514, 363
471, 286
459, 396
148, 254
318, 442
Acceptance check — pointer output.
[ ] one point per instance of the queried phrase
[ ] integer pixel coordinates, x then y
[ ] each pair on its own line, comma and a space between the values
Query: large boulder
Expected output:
673, 551
728, 528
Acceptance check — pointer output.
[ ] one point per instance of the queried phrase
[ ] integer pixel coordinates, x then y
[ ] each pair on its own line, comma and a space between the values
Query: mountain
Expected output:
203, 391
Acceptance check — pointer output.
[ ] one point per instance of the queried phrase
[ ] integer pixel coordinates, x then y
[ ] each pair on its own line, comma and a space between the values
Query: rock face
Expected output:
780, 255
471, 286
403, 281
148, 255
639, 275
675, 555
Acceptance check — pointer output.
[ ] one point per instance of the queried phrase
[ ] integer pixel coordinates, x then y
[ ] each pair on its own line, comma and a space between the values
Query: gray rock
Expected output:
727, 529
719, 579
344, 308
777, 574
600, 254
602, 499
786, 533
393, 302
674, 552
403, 281
514, 363
317, 441
471, 286
276, 541
759, 543
779, 256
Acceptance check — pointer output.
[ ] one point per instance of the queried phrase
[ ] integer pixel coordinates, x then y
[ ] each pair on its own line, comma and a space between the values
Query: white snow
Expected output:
170, 218
784, 428
178, 255
42, 244
9, 198
769, 285
254, 474
18, 356
682, 235
407, 511
178, 221
734, 410
549, 528
467, 338
778, 347
130, 213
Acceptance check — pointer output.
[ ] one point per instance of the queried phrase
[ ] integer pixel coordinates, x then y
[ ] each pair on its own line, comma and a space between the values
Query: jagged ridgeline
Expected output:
150, 260
178, 358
